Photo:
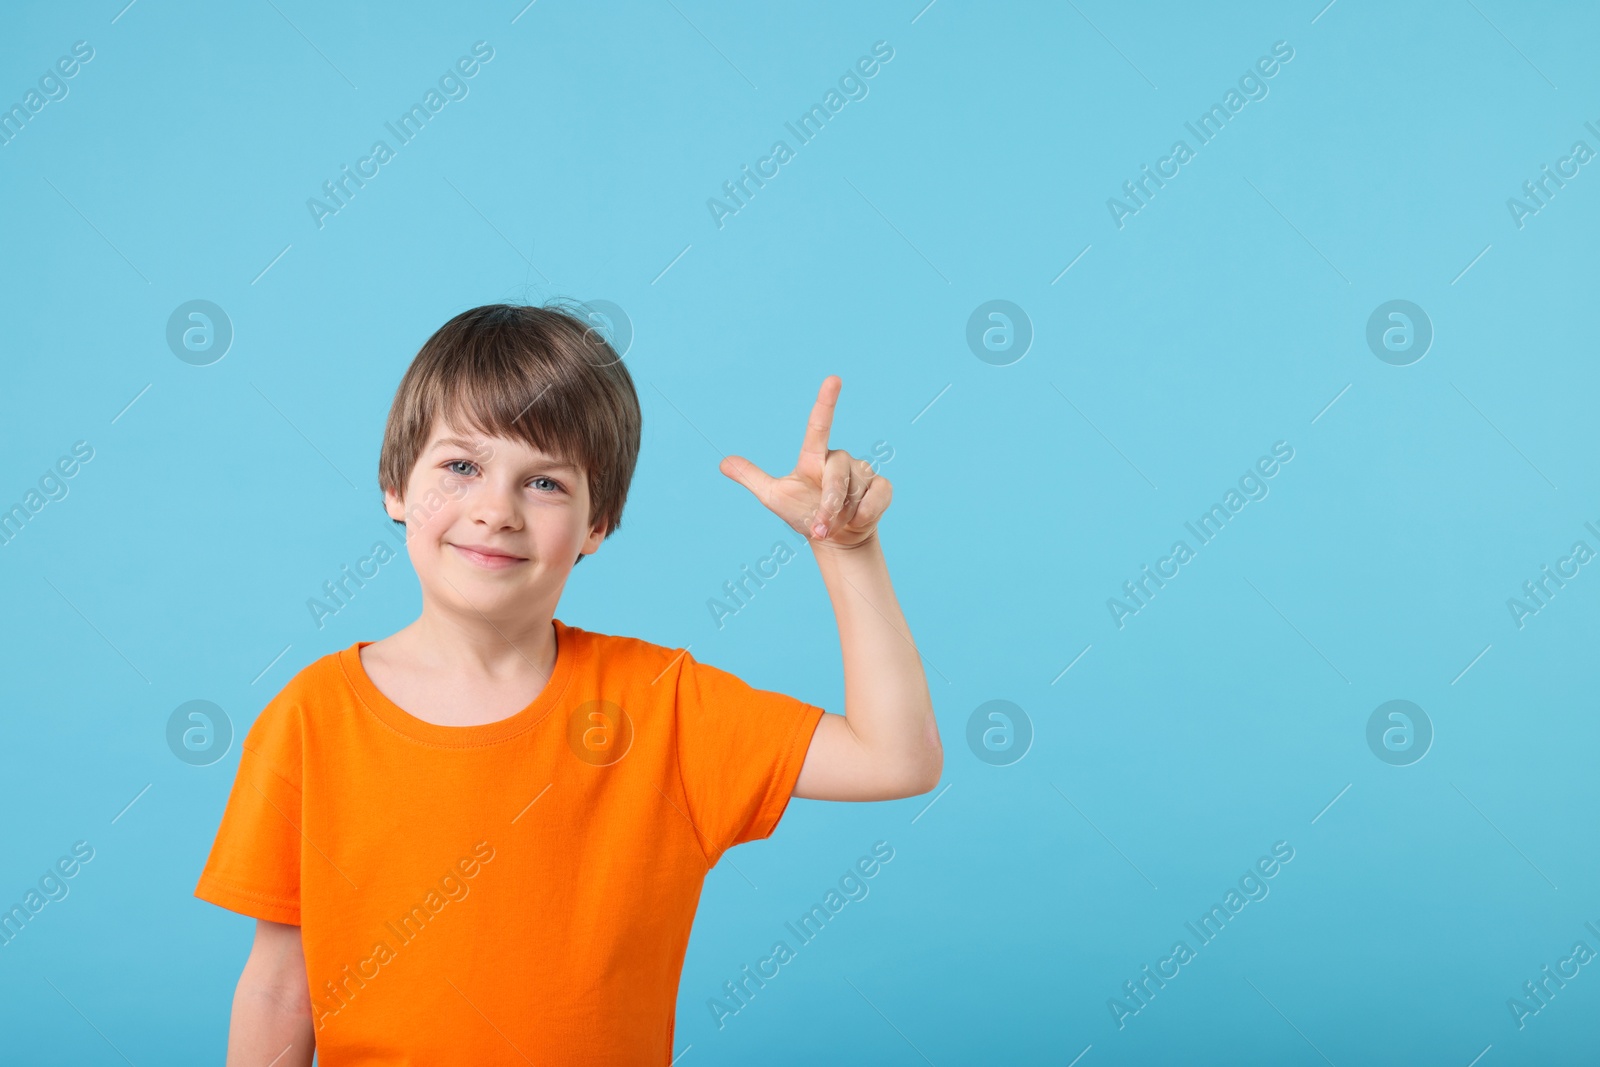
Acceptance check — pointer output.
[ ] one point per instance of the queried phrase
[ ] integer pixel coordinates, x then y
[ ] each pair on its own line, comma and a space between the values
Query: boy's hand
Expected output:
830, 498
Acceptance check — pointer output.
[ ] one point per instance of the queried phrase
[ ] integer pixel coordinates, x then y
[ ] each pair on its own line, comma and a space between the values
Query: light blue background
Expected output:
1223, 317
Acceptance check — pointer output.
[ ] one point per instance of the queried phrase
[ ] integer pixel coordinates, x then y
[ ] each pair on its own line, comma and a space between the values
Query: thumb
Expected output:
748, 475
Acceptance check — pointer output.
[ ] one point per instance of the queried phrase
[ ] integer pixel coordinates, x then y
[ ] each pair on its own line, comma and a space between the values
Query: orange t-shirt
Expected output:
516, 891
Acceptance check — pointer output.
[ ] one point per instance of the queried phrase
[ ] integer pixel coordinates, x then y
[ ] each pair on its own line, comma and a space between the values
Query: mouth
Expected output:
488, 558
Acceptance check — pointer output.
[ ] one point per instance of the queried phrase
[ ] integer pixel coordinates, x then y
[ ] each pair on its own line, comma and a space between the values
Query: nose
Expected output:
494, 505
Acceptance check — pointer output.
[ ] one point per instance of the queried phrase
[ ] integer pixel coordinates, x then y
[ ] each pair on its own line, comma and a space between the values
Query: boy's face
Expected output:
493, 525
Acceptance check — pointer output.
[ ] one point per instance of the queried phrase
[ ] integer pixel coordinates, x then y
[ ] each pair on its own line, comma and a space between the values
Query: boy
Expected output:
482, 839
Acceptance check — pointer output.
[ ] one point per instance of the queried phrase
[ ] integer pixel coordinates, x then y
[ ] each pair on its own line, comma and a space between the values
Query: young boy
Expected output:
482, 839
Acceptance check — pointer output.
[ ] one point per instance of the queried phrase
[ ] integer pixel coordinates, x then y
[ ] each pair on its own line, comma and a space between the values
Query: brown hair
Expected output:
541, 375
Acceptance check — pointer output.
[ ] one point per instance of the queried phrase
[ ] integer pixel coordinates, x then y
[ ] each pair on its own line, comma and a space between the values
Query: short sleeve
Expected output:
254, 867
740, 750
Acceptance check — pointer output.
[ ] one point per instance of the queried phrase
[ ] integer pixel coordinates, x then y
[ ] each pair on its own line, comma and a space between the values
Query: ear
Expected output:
592, 542
394, 505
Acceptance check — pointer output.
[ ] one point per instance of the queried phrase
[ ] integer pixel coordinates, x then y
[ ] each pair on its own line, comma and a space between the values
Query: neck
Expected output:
492, 648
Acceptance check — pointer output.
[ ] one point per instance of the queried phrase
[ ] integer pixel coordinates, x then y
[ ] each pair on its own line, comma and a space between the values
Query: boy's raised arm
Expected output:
886, 745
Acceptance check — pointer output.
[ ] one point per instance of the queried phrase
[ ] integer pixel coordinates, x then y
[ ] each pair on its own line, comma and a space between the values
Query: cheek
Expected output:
554, 529
441, 514
553, 533
427, 523
437, 504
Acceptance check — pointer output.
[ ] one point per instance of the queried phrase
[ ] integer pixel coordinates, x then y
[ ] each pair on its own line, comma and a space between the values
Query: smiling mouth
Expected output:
487, 560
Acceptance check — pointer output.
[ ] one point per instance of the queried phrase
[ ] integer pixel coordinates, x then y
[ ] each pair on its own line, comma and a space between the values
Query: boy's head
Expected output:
514, 429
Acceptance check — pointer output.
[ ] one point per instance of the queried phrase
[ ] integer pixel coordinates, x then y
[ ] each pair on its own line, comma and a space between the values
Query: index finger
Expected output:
821, 420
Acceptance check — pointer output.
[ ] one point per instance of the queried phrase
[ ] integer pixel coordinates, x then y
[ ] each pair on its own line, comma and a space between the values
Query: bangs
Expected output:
534, 412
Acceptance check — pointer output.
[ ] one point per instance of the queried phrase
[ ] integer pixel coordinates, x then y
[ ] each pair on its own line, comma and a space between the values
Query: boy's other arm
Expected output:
271, 1022
886, 745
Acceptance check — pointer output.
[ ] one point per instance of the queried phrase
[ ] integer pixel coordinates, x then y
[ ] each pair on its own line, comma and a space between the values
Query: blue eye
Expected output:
453, 465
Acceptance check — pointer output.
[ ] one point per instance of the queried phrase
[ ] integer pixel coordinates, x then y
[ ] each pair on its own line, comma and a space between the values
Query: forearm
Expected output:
269, 1024
887, 704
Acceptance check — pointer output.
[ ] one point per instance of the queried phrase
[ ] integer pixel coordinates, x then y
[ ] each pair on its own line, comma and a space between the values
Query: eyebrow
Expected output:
471, 446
